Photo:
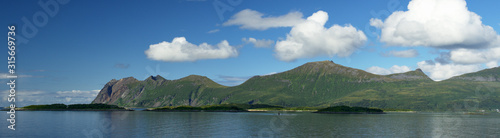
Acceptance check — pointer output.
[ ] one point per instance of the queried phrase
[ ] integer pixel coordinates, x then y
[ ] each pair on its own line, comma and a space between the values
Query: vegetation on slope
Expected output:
349, 110
416, 75
491, 75
210, 108
315, 84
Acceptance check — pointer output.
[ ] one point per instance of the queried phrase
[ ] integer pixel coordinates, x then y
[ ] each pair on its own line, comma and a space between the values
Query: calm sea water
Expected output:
249, 124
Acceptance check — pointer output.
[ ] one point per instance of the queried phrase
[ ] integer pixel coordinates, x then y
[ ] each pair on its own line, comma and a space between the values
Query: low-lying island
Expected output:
73, 107
349, 110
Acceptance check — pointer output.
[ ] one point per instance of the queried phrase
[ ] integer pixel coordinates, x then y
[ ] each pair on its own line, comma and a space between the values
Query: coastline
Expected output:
20, 109
350, 112
264, 110
197, 110
400, 111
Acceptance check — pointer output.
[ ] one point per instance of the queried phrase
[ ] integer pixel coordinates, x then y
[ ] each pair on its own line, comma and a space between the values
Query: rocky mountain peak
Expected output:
419, 70
155, 78
417, 74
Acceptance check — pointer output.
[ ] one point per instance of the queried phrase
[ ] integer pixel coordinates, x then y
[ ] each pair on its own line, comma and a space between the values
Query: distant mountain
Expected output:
416, 75
491, 75
322, 83
155, 91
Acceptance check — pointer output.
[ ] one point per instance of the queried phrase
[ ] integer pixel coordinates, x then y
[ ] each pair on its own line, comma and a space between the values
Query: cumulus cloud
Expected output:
405, 53
254, 20
258, 43
438, 71
181, 50
378, 70
443, 58
444, 24
492, 64
310, 38
376, 23
472, 56
384, 71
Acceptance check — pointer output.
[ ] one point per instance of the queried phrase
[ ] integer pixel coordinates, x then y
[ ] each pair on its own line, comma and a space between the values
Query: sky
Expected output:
68, 50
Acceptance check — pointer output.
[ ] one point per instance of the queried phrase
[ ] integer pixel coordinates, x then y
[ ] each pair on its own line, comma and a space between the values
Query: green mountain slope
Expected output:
491, 75
312, 84
321, 83
156, 91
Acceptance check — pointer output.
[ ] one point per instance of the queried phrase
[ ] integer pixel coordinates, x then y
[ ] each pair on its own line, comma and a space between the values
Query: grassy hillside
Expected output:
315, 84
492, 75
156, 92
446, 95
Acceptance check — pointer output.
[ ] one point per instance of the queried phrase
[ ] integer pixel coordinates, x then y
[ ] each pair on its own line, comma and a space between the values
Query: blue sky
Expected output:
78, 46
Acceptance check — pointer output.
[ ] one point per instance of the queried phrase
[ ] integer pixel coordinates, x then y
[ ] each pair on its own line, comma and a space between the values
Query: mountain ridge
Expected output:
322, 83
490, 75
417, 74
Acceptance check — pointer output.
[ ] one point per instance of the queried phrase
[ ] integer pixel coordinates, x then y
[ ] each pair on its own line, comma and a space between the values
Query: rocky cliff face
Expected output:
114, 90
417, 74
156, 91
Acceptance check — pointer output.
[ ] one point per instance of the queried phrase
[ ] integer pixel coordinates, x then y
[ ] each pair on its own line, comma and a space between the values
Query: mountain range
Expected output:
315, 84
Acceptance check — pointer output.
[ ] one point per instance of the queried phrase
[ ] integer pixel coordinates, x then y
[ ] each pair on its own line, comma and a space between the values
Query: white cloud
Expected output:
399, 69
376, 23
378, 70
6, 76
74, 96
492, 64
76, 93
472, 56
405, 53
30, 97
310, 38
271, 73
258, 43
181, 50
232, 80
440, 71
436, 23
213, 31
443, 24
392, 70
250, 19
